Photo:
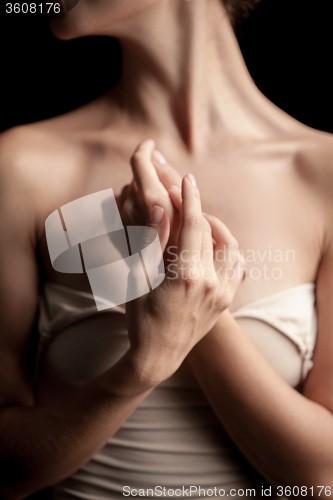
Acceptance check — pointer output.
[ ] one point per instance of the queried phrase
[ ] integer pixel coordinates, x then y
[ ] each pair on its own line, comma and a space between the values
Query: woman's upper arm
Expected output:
18, 285
319, 384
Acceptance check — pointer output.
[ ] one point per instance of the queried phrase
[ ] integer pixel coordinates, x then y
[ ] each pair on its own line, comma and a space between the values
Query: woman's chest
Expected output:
264, 203
78, 343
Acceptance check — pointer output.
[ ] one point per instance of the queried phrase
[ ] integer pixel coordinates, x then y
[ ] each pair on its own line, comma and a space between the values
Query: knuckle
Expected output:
234, 245
191, 277
149, 197
190, 283
210, 285
194, 222
137, 157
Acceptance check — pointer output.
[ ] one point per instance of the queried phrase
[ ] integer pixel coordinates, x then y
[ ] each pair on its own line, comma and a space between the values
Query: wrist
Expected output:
126, 379
148, 371
223, 324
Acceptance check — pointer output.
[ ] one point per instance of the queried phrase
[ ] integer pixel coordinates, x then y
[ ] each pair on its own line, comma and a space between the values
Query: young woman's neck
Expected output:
183, 73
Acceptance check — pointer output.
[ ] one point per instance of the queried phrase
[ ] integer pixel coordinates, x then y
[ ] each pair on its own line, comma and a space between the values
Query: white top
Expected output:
173, 439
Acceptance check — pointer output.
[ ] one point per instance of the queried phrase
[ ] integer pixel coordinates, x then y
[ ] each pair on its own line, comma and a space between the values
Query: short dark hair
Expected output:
238, 10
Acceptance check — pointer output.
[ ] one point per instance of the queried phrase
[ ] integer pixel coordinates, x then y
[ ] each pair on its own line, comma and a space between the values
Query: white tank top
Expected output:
173, 440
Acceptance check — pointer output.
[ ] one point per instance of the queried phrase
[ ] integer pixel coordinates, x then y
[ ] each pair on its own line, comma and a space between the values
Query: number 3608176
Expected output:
32, 8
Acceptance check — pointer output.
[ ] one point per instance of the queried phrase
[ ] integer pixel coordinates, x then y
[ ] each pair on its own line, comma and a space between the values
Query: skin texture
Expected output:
266, 176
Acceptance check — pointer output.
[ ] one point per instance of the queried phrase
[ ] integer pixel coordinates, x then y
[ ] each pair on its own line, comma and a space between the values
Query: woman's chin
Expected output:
72, 22
64, 28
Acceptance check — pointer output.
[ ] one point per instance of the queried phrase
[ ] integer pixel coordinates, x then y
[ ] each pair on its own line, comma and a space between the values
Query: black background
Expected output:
287, 45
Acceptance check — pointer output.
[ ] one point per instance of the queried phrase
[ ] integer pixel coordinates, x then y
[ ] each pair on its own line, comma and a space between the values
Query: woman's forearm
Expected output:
286, 436
42, 444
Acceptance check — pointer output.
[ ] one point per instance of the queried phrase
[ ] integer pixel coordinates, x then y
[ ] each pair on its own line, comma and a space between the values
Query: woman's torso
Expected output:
262, 190
173, 440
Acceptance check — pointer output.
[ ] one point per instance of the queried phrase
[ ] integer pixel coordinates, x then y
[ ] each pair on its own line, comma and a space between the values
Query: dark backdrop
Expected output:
287, 46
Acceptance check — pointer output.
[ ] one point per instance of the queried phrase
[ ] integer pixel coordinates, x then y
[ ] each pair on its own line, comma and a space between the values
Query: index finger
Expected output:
144, 172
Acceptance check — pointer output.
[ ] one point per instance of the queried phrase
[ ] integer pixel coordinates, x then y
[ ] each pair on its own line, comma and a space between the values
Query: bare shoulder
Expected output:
314, 166
36, 156
36, 164
314, 161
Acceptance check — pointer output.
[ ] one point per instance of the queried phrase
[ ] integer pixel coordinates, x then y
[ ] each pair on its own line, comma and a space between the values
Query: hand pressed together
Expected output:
165, 324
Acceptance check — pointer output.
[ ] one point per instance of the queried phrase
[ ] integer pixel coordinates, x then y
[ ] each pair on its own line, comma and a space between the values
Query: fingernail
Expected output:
191, 178
204, 213
176, 188
158, 157
156, 215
